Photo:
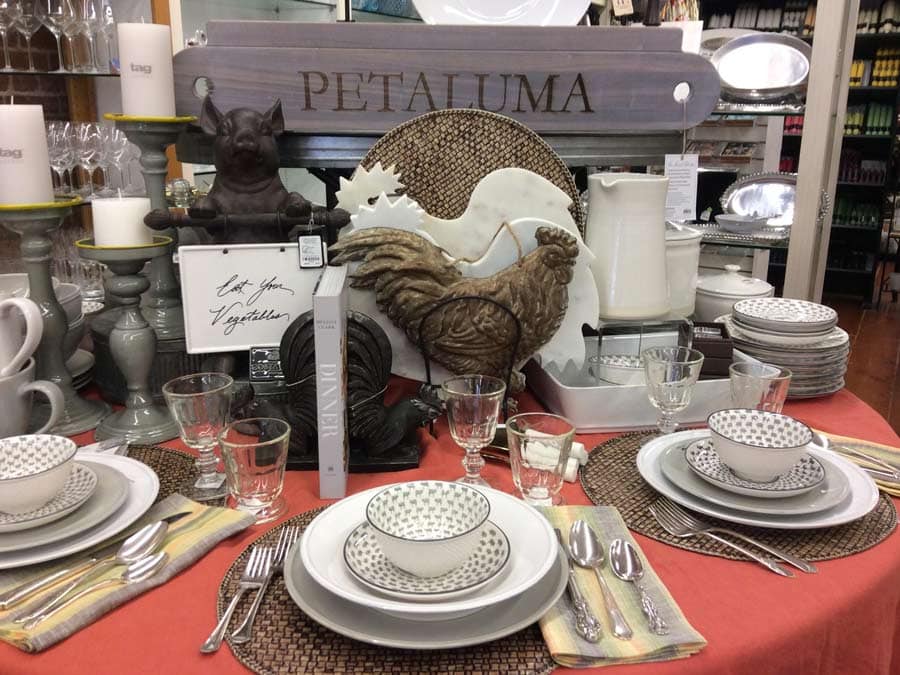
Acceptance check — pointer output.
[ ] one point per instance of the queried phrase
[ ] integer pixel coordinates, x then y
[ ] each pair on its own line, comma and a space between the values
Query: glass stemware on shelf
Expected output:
671, 373
60, 147
107, 31
53, 14
90, 22
89, 144
473, 406
27, 22
8, 9
71, 28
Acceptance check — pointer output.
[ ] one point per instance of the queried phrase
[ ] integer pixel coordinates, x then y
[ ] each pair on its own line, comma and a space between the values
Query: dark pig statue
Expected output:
247, 203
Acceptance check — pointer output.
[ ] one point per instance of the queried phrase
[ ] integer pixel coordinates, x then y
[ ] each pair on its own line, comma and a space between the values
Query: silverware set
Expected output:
263, 563
678, 522
584, 550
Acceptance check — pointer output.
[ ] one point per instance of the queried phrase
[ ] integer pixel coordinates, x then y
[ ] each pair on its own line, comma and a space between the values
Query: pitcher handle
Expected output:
54, 396
34, 330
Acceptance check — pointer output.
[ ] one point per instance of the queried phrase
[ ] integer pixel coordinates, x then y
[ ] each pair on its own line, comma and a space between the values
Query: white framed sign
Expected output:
243, 295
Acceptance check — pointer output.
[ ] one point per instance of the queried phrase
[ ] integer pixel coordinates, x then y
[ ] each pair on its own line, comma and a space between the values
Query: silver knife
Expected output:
16, 595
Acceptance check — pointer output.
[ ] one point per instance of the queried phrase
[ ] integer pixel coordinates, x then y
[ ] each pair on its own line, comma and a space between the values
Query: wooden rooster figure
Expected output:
410, 275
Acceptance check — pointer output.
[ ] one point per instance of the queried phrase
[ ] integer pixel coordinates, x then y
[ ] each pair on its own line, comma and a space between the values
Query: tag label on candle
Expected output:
141, 70
313, 254
12, 154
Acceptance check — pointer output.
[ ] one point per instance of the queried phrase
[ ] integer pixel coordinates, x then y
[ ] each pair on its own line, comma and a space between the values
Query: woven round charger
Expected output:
285, 640
442, 156
173, 467
611, 477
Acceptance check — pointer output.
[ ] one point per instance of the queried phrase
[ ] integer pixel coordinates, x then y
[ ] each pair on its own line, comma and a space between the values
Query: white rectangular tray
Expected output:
594, 408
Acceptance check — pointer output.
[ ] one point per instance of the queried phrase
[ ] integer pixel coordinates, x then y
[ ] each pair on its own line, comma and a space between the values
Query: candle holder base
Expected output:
132, 342
78, 416
34, 223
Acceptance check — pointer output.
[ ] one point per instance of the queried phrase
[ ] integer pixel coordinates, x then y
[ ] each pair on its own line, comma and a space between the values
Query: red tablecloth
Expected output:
842, 620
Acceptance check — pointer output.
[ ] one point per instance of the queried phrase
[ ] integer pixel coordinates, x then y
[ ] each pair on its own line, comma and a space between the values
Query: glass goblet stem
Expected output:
666, 421
7, 65
31, 67
59, 55
206, 465
92, 49
473, 463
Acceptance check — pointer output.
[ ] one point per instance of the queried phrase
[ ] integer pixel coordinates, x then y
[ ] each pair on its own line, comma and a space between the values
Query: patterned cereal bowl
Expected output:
430, 527
33, 470
758, 445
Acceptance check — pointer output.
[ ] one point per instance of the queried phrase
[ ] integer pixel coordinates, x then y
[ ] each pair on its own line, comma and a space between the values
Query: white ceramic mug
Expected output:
17, 343
16, 394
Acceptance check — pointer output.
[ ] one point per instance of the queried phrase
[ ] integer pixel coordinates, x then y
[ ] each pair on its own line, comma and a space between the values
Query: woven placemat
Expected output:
287, 641
442, 155
611, 477
172, 466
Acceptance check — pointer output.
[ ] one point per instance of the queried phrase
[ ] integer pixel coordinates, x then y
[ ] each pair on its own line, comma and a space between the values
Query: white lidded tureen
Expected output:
717, 293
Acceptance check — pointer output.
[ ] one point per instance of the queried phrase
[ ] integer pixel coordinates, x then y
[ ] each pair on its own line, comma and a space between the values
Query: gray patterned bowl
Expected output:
428, 527
33, 470
758, 445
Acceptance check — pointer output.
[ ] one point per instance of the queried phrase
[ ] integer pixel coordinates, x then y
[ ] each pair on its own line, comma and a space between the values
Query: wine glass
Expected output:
118, 152
671, 373
8, 10
106, 158
71, 28
27, 22
107, 30
90, 20
53, 15
201, 405
473, 406
90, 147
59, 147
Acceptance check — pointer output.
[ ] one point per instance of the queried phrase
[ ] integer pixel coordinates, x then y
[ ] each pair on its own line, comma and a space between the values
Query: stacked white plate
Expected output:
794, 334
823, 490
104, 495
81, 368
337, 575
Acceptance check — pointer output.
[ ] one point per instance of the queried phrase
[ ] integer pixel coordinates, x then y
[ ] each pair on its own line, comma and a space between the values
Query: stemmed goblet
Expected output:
201, 405
53, 14
27, 22
107, 30
90, 148
473, 406
59, 147
671, 373
90, 20
8, 9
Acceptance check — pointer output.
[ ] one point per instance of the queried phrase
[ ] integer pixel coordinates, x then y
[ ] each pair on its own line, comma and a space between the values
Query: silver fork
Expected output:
701, 527
288, 537
255, 572
673, 527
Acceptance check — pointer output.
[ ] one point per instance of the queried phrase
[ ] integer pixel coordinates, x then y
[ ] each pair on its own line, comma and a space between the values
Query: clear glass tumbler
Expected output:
201, 405
539, 447
759, 385
255, 451
671, 373
473, 407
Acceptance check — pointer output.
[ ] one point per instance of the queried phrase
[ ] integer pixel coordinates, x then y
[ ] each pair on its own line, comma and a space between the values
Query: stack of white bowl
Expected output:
794, 334
400, 565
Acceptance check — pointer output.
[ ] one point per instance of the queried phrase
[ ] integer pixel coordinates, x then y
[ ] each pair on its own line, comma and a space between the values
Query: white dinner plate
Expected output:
502, 12
833, 342
862, 498
832, 492
532, 544
369, 625
78, 489
787, 315
143, 486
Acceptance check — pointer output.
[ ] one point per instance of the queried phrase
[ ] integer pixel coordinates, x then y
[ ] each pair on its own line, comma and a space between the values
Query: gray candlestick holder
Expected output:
132, 341
162, 307
34, 223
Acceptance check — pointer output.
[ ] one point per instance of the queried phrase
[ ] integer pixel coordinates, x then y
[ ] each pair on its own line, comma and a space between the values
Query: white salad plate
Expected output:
368, 563
785, 314
835, 339
78, 488
532, 544
862, 497
142, 488
502, 12
702, 457
829, 494
369, 625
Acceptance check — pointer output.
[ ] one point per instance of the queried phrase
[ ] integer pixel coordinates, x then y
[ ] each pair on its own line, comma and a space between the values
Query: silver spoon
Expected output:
626, 564
587, 552
137, 571
141, 544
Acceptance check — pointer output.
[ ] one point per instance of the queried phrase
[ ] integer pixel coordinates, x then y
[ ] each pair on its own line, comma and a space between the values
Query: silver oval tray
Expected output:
763, 67
714, 38
771, 195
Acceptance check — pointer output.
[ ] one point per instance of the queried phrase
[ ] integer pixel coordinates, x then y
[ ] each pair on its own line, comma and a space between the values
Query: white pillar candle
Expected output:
24, 162
148, 82
119, 221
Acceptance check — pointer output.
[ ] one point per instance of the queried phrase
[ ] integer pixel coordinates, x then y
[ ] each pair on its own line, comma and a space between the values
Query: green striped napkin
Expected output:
188, 540
558, 626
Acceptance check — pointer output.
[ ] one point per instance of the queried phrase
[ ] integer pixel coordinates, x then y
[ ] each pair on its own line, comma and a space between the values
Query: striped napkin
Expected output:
558, 626
189, 539
841, 445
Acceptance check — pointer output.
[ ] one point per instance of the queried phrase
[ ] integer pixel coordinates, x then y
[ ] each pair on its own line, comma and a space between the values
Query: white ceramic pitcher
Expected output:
626, 231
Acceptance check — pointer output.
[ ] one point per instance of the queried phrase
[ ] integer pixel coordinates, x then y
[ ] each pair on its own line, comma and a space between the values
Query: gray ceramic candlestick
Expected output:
162, 308
34, 223
132, 342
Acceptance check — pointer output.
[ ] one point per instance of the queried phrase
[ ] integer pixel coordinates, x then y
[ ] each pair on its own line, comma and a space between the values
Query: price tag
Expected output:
622, 7
313, 252
681, 200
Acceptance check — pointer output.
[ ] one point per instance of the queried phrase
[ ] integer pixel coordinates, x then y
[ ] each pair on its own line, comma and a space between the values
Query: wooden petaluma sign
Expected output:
369, 78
